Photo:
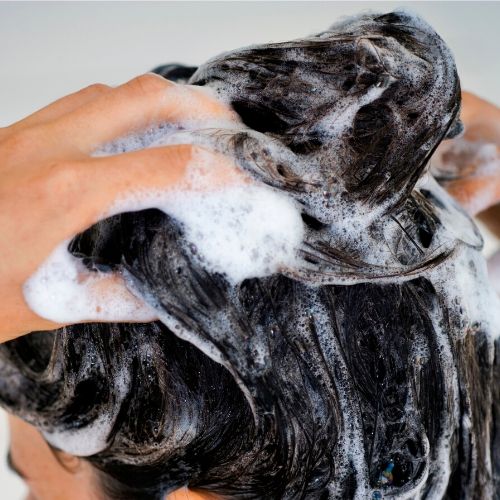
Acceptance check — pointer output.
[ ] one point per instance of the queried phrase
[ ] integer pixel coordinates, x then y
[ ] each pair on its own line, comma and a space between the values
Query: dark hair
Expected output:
354, 374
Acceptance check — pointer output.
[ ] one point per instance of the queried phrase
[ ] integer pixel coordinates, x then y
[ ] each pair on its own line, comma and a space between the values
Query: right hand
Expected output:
51, 188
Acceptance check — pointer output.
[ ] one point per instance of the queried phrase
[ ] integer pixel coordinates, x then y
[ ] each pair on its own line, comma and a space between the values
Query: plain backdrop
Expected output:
49, 49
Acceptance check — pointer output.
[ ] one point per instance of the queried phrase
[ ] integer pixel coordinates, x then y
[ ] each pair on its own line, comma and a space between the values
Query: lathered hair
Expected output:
358, 373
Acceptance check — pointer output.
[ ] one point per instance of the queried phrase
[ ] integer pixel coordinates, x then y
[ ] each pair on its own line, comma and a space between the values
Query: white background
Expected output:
51, 49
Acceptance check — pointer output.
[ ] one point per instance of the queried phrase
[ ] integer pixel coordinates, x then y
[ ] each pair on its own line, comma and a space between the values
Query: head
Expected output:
333, 378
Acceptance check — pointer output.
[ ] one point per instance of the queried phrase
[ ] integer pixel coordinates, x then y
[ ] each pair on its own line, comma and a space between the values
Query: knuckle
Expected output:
97, 88
148, 85
61, 178
57, 190
19, 142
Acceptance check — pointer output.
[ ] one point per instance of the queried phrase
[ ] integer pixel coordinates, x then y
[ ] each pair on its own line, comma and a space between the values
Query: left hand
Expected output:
469, 166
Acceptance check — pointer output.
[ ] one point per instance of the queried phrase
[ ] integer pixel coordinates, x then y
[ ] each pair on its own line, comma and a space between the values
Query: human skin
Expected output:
477, 186
49, 152
50, 475
47, 475
483, 124
52, 188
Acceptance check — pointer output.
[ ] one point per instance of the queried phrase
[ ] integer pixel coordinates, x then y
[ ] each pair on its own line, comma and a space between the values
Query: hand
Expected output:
51, 188
469, 166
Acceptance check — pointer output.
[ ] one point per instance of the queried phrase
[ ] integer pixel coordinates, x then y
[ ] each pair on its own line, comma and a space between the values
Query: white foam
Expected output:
464, 281
481, 300
494, 271
242, 231
93, 437
64, 291
84, 442
239, 229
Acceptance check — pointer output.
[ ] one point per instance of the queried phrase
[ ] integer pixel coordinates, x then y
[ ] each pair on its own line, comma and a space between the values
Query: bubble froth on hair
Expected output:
360, 370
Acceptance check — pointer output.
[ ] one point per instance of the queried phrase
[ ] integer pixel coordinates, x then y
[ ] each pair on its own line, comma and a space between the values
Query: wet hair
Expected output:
354, 374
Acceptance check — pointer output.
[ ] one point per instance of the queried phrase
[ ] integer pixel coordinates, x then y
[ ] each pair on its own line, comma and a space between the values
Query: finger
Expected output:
144, 101
475, 194
92, 189
62, 106
66, 197
20, 319
142, 175
95, 188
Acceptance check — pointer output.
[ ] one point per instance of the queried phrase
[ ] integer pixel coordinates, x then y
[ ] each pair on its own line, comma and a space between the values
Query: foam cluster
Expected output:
241, 230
